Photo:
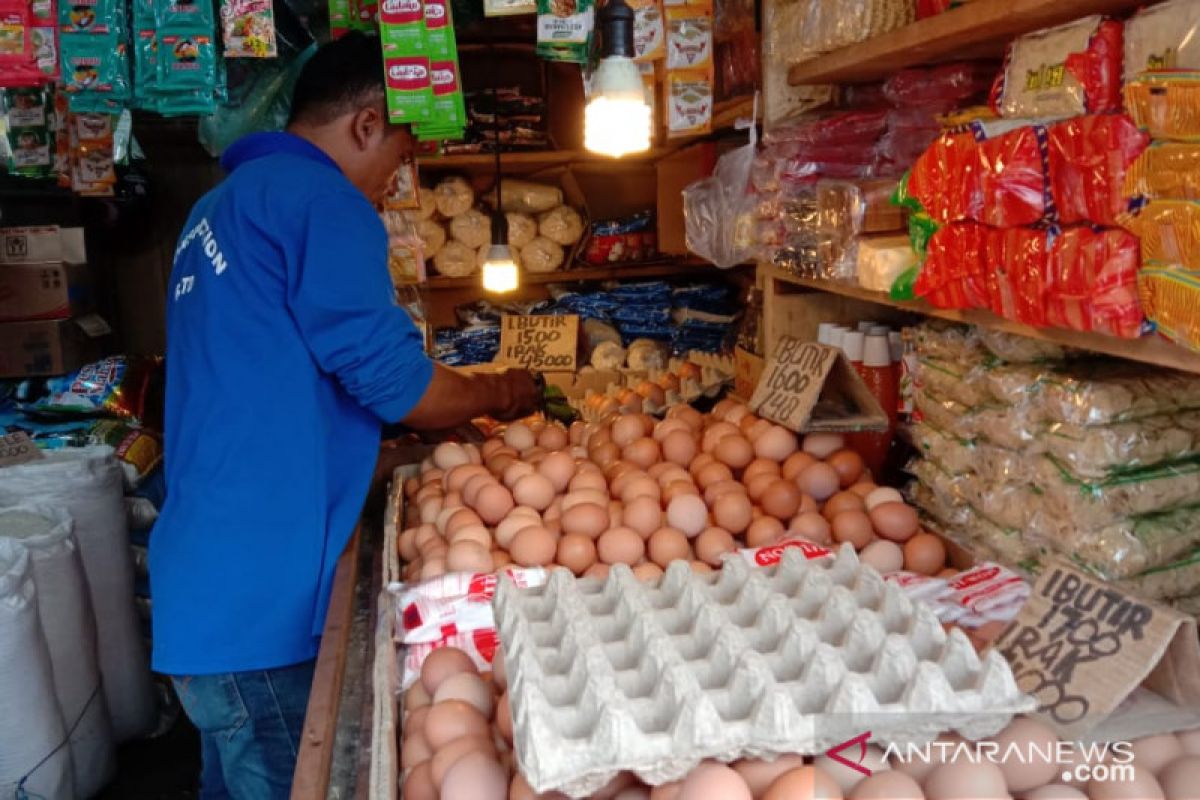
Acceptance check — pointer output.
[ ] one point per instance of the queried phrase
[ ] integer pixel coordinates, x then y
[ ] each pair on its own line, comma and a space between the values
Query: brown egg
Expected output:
734, 452
805, 783
452, 719
446, 756
713, 473
441, 664
586, 479
577, 497
760, 466
795, 464
887, 785
685, 412
1180, 777
604, 454
498, 463
469, 557
679, 447
842, 501
533, 547
599, 571
433, 567
414, 749
759, 774
620, 546
863, 489
687, 513
853, 527
576, 552
811, 526
883, 556
638, 486
895, 521
515, 471
626, 429
456, 479
588, 519
643, 452
710, 781
643, 515
757, 486
493, 502
712, 544
776, 443
848, 465
823, 445
924, 553
819, 481
701, 461
500, 559
406, 544
781, 499
504, 722
515, 521
764, 531
700, 568
882, 494
533, 490
475, 776
715, 433
519, 789
418, 784
666, 545
732, 511
666, 791
558, 468
647, 571
715, 491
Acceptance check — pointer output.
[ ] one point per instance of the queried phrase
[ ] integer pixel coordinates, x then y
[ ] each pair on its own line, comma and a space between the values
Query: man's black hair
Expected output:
341, 77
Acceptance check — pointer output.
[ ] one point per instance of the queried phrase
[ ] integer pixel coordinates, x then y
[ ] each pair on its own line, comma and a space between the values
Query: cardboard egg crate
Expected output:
653, 678
715, 373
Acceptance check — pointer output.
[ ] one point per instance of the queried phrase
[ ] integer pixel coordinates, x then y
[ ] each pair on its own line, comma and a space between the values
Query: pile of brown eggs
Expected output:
643, 492
457, 744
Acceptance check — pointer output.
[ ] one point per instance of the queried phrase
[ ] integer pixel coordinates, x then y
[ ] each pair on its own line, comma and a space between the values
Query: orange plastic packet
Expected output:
1170, 232
1165, 171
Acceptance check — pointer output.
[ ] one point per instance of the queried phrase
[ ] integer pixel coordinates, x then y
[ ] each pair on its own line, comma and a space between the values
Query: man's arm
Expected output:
456, 397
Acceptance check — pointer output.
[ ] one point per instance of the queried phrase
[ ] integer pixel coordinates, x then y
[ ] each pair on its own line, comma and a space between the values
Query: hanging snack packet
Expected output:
30, 141
339, 18
61, 163
95, 71
248, 29
18, 63
1171, 300
448, 114
406, 61
689, 103
185, 61
508, 8
689, 38
90, 16
124, 387
649, 30
191, 15
564, 30
44, 38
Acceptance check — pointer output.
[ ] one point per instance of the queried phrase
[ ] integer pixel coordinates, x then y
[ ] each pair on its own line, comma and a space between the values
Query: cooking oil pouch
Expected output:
1165, 171
1171, 300
186, 61
1166, 104
1169, 231
565, 29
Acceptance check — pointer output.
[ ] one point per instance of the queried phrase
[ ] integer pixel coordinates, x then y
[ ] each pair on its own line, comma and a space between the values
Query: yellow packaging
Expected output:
689, 99
1170, 232
1171, 300
649, 71
1166, 104
690, 37
649, 30
1165, 171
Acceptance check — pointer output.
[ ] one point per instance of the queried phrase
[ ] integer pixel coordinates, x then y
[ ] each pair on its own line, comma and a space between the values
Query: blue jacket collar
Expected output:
259, 145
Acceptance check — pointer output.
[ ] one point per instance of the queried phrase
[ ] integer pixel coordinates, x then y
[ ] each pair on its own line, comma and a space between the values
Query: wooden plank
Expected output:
1148, 349
673, 269
531, 161
979, 29
311, 779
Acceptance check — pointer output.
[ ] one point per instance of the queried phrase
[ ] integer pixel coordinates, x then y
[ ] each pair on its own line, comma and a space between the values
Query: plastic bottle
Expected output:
852, 346
880, 378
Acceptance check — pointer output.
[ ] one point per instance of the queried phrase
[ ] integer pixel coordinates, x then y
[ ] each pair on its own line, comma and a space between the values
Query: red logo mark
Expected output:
861, 740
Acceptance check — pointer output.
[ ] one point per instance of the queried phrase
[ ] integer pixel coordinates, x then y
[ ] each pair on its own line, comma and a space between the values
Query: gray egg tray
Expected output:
655, 677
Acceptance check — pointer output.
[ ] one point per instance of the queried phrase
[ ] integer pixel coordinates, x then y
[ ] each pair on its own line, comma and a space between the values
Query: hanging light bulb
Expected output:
500, 273
616, 121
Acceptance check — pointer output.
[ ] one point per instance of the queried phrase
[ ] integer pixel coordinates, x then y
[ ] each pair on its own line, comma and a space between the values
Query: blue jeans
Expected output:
250, 728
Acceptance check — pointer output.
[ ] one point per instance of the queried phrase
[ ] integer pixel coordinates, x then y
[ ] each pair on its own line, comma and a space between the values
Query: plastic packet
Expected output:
123, 387
90, 16
1169, 231
940, 88
1165, 171
626, 240
93, 153
1166, 104
456, 602
1063, 72
771, 555
649, 30
717, 210
248, 29
1171, 300
185, 61
448, 115
1163, 36
30, 140
95, 71
1091, 282
1088, 159
564, 30
1012, 179
406, 62
689, 43
1178, 579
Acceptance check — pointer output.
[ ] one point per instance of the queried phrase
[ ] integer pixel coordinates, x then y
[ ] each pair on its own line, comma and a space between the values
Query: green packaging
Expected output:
406, 61
186, 61
564, 30
95, 71
30, 143
448, 117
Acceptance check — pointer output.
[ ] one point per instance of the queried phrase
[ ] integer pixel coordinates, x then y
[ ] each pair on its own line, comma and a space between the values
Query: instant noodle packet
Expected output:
1165, 171
1166, 104
1171, 300
1169, 231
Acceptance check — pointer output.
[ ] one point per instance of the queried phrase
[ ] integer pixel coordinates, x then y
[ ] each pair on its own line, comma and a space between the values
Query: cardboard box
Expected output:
748, 369
675, 172
50, 347
33, 245
53, 290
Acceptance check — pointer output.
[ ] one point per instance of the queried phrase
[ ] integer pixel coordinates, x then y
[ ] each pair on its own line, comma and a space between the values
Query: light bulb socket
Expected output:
499, 223
616, 29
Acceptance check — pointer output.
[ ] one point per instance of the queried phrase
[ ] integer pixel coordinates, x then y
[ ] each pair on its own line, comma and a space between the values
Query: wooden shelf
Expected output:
663, 270
1148, 349
979, 29
536, 160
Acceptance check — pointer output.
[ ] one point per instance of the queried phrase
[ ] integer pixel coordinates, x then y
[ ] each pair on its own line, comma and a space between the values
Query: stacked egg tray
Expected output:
745, 662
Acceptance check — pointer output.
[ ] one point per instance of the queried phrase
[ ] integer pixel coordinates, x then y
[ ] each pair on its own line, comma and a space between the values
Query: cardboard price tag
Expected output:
541, 343
1081, 646
18, 448
800, 374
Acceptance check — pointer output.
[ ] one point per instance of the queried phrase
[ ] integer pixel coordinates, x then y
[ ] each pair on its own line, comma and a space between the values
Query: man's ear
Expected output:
366, 126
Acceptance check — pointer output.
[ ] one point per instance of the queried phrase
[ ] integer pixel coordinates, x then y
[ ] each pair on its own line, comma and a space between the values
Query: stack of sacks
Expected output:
1018, 202
1167, 175
1028, 455
456, 234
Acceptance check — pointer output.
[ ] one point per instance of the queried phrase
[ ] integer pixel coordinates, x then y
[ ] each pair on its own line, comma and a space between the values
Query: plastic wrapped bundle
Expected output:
1169, 231
472, 228
453, 196
1171, 299
87, 483
1166, 104
1088, 159
455, 260
1165, 171
521, 229
1163, 36
67, 621
563, 226
433, 237
542, 255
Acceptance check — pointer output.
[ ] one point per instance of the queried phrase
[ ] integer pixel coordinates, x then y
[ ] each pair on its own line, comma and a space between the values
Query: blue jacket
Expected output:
286, 353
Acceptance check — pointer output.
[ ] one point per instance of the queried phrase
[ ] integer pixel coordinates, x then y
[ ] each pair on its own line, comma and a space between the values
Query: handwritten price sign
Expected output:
792, 381
539, 343
18, 448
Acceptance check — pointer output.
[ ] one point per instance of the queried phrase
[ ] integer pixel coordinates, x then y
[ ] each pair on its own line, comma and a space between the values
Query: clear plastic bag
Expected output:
1105, 392
719, 210
1177, 579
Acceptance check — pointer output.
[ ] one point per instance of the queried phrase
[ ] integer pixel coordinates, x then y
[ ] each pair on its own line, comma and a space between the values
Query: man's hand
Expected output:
518, 394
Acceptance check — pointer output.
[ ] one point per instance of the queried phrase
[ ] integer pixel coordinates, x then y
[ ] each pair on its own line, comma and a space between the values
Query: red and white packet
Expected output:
454, 603
985, 593
772, 554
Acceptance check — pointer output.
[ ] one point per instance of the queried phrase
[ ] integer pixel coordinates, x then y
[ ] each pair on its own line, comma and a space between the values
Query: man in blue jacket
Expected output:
286, 353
